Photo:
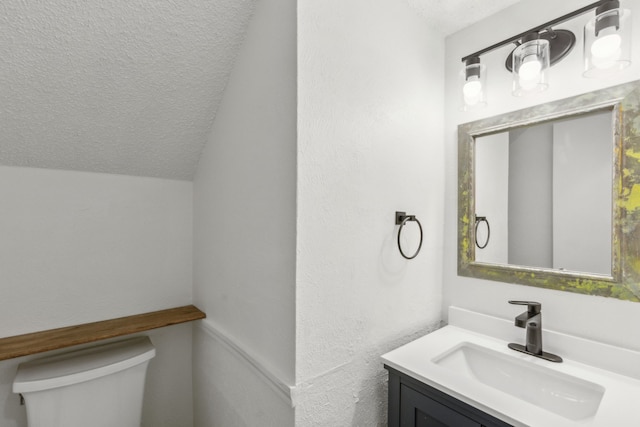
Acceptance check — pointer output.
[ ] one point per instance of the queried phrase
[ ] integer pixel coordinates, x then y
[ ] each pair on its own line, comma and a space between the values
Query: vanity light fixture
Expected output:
607, 40
607, 49
531, 63
473, 79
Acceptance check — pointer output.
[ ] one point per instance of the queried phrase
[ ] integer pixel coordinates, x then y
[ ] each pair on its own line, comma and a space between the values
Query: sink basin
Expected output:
562, 394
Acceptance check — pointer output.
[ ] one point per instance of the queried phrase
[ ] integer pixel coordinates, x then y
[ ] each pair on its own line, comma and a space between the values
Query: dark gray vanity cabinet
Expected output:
415, 404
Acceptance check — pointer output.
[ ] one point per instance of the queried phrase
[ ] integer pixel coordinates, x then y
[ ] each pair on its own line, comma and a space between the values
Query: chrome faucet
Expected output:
531, 320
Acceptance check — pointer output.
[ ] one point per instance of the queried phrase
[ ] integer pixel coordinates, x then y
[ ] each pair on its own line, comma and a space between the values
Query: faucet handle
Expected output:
533, 307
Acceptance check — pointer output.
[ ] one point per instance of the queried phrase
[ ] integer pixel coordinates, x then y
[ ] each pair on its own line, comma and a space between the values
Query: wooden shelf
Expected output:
53, 339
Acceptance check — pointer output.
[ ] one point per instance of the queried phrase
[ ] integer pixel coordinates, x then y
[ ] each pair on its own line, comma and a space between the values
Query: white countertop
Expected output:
616, 369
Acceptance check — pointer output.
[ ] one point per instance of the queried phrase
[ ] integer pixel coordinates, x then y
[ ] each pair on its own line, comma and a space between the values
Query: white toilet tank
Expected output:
100, 386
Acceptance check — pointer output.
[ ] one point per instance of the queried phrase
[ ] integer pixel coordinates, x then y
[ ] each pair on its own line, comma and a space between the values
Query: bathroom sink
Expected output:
563, 394
596, 385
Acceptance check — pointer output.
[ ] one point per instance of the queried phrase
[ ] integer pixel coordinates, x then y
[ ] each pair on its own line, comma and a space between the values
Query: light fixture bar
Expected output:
537, 29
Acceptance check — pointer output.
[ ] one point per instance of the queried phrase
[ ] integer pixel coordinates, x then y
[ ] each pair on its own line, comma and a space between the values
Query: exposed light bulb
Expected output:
472, 91
529, 73
530, 69
606, 51
606, 46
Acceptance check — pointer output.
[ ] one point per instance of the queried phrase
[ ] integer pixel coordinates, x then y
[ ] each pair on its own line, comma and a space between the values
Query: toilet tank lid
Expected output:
82, 365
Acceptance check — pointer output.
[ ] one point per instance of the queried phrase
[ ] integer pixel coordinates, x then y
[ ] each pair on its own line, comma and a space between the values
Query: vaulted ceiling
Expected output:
131, 87
114, 86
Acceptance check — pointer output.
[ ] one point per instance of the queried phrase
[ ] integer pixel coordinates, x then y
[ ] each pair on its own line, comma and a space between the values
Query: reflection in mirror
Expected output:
546, 190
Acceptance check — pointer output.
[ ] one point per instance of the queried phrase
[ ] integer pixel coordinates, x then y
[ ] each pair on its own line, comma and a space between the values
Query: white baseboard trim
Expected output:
282, 389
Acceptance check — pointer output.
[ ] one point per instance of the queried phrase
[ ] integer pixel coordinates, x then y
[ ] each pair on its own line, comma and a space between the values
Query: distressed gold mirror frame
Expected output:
623, 102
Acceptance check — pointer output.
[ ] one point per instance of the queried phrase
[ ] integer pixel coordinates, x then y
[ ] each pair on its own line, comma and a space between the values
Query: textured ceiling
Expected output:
131, 86
449, 16
116, 86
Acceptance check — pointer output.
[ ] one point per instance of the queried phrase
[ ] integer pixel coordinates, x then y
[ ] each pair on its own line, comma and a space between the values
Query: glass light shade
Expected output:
607, 43
473, 86
530, 67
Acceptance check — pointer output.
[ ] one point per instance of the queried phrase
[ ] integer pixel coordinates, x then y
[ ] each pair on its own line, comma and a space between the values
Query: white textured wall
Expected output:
80, 247
609, 320
370, 142
245, 226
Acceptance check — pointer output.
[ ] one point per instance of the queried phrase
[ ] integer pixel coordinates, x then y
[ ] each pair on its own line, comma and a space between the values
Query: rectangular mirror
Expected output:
547, 195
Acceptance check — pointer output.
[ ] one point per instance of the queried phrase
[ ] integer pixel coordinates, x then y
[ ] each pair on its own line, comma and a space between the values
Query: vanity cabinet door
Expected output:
417, 410
415, 404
